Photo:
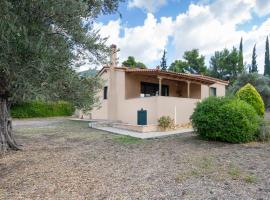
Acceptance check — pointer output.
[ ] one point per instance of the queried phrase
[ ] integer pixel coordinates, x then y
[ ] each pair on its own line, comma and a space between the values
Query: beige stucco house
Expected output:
158, 93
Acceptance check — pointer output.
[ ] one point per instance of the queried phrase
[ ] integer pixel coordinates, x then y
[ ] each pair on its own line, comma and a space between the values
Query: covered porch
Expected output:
147, 83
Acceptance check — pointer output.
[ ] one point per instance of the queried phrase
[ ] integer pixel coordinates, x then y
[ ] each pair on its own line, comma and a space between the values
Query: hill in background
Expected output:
89, 73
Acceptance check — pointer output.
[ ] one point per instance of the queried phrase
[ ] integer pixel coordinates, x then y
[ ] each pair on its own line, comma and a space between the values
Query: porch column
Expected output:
159, 86
188, 89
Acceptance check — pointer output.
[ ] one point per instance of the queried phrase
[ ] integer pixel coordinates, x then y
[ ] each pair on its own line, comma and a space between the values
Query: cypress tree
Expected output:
241, 59
266, 58
254, 66
163, 63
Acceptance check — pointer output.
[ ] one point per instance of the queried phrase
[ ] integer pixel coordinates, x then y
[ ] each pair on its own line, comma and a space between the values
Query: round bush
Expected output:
226, 119
165, 122
249, 94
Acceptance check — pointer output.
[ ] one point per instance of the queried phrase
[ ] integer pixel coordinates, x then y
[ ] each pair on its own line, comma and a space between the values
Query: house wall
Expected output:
205, 90
156, 107
101, 112
221, 89
179, 109
129, 108
126, 100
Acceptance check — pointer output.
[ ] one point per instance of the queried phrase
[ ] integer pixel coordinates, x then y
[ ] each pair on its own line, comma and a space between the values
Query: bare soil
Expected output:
62, 159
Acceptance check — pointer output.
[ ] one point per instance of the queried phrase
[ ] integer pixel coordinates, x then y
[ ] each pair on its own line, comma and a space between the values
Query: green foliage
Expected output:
42, 41
267, 58
140, 65
42, 109
260, 82
226, 119
250, 95
225, 65
254, 66
163, 62
132, 63
166, 122
178, 66
241, 67
193, 63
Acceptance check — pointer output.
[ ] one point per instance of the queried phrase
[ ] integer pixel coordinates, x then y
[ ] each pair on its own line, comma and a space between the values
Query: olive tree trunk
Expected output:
7, 140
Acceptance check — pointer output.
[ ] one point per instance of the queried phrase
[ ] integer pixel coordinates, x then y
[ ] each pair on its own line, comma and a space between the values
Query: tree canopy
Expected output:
132, 63
40, 43
193, 63
225, 65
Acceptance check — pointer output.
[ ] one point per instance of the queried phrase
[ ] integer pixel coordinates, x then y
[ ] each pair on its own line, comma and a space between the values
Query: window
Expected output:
151, 89
105, 92
213, 91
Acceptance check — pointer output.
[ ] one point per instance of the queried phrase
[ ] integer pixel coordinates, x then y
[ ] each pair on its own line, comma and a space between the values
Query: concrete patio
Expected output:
148, 135
95, 124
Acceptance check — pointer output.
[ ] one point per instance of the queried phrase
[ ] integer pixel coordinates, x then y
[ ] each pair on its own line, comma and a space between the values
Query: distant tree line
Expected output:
226, 64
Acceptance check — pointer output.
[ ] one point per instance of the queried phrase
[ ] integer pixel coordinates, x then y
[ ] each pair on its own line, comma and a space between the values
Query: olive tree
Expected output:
40, 44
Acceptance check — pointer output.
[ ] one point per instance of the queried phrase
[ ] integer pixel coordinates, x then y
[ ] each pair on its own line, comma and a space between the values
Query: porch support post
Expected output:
159, 85
188, 89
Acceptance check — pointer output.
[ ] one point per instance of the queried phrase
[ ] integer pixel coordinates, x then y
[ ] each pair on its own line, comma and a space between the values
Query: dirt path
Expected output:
67, 160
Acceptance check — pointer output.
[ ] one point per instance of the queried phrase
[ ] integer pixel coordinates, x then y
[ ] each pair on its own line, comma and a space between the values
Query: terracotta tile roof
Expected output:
181, 75
191, 77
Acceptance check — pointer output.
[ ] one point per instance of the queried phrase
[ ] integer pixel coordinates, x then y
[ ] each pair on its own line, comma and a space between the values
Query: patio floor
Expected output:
147, 135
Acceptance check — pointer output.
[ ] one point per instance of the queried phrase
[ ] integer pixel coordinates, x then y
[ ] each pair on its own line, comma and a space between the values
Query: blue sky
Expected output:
149, 26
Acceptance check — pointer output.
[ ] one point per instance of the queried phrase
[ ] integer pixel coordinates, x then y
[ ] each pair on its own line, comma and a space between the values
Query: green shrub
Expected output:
226, 119
259, 81
42, 109
250, 95
165, 122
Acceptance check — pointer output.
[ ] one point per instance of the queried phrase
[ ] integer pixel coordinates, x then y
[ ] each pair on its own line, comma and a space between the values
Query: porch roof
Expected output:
178, 76
170, 75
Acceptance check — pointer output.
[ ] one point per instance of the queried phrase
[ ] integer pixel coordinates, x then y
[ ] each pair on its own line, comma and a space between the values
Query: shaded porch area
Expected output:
147, 84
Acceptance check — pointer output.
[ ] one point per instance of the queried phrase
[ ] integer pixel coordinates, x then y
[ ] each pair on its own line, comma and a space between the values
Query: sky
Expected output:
147, 27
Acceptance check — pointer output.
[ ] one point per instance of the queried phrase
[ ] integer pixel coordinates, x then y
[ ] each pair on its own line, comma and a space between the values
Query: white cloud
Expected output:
262, 7
236, 11
110, 31
148, 5
198, 28
208, 27
145, 42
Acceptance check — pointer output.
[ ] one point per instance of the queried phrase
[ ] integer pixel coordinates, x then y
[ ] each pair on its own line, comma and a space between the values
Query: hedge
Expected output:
42, 109
249, 94
226, 119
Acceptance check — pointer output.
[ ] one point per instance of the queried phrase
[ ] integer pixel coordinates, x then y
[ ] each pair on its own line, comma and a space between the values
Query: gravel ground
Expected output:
62, 159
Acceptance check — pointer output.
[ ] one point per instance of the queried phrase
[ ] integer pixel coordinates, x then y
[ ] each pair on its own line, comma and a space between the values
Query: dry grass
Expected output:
67, 160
